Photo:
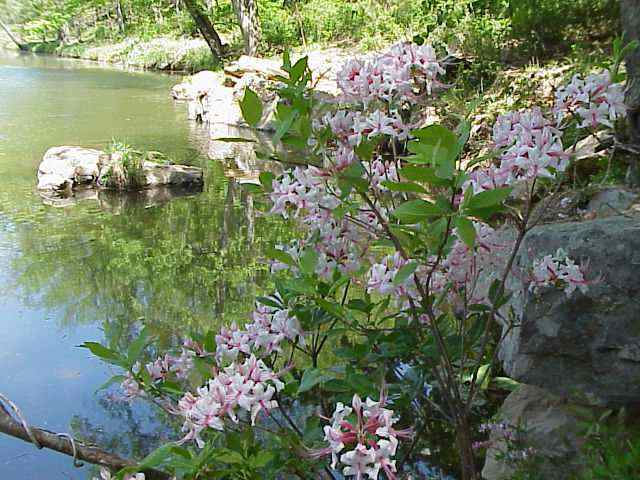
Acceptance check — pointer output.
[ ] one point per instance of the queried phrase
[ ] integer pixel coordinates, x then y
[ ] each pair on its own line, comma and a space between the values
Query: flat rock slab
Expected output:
66, 167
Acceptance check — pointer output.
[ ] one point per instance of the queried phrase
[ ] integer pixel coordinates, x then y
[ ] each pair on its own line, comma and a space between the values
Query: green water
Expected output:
99, 270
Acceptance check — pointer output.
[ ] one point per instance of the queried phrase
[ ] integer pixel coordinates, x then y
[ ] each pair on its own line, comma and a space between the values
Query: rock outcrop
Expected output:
66, 167
612, 201
585, 346
213, 97
552, 431
573, 353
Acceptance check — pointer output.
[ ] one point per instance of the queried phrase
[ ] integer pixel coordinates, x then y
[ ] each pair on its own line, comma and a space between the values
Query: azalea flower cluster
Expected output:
463, 265
460, 268
351, 127
269, 328
105, 474
558, 270
338, 242
532, 148
169, 364
248, 386
383, 86
363, 439
382, 278
594, 99
161, 368
130, 387
397, 74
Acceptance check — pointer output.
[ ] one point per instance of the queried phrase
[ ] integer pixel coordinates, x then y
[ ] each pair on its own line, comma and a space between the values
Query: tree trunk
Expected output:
630, 16
247, 14
465, 449
13, 38
122, 21
206, 28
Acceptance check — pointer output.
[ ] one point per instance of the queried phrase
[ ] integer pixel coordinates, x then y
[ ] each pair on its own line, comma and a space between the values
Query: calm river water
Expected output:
99, 270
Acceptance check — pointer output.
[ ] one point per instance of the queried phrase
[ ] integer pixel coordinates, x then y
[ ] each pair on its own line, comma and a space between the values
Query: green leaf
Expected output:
262, 458
466, 231
437, 146
298, 69
365, 149
285, 118
228, 456
280, 256
266, 180
310, 378
352, 177
113, 380
331, 308
286, 61
309, 261
415, 211
136, 347
488, 198
269, 302
251, 188
464, 131
484, 376
422, 174
405, 272
103, 352
159, 456
251, 107
404, 187
505, 383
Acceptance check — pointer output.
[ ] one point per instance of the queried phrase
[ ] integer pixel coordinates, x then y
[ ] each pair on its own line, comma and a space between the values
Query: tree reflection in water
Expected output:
190, 263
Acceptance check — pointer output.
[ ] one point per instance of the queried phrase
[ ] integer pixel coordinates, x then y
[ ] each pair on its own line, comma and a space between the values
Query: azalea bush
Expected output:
382, 333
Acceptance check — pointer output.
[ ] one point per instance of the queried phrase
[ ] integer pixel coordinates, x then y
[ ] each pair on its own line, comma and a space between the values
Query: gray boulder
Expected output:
546, 424
65, 168
612, 201
156, 174
585, 346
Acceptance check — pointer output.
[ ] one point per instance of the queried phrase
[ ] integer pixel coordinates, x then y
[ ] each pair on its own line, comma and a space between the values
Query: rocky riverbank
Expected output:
162, 53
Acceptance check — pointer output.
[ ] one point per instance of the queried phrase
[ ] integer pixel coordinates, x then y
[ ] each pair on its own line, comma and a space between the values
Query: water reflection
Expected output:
98, 269
180, 265
118, 203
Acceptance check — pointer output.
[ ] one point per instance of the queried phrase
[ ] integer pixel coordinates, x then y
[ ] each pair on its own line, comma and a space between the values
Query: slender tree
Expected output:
121, 17
206, 28
13, 38
630, 16
247, 14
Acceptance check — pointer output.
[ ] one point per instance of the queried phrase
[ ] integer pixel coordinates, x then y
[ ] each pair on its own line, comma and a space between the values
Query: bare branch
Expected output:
63, 443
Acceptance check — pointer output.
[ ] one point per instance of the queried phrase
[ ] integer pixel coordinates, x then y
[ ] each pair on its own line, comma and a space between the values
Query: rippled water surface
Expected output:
99, 269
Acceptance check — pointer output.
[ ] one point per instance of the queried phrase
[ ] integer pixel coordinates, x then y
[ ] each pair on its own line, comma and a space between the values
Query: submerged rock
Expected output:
585, 346
64, 168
